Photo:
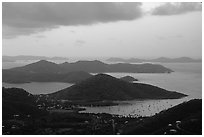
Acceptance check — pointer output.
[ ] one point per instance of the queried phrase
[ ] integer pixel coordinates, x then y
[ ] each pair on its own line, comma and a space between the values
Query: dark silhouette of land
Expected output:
100, 67
91, 67
105, 87
27, 114
161, 60
45, 71
19, 102
128, 79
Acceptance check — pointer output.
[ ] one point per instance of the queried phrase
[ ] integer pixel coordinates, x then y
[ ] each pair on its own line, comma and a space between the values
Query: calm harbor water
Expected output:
136, 108
186, 79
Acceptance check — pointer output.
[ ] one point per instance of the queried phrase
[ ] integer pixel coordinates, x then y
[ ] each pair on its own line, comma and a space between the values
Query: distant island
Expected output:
161, 60
45, 71
128, 79
105, 87
24, 57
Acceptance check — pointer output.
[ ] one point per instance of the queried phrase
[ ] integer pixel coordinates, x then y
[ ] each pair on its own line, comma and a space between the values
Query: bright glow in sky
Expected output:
165, 33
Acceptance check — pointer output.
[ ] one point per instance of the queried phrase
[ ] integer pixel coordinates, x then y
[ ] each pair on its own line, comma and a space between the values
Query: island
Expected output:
105, 87
161, 60
46, 71
128, 79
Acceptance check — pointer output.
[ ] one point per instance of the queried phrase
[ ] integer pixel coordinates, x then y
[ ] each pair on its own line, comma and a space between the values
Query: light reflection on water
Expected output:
136, 108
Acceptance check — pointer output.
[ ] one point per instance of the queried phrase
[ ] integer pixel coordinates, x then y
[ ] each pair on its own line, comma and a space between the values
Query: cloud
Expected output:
177, 36
40, 36
20, 18
10, 31
72, 31
80, 41
177, 8
161, 37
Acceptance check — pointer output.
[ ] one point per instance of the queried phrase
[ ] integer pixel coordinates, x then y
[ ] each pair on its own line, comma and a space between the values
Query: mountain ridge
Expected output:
46, 71
93, 67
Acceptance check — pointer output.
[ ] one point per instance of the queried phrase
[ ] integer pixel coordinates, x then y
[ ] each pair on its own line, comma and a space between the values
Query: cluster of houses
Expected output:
44, 103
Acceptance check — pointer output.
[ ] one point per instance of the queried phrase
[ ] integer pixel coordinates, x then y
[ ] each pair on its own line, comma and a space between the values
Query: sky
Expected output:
146, 30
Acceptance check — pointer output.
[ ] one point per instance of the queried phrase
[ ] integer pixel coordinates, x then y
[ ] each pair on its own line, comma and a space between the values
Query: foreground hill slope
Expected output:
105, 87
17, 101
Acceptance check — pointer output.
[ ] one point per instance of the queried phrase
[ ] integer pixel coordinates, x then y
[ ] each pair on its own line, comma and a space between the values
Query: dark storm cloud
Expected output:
177, 8
26, 18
